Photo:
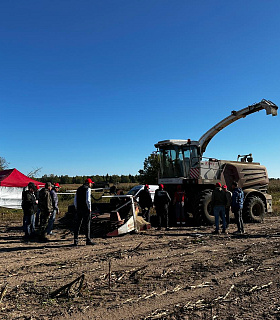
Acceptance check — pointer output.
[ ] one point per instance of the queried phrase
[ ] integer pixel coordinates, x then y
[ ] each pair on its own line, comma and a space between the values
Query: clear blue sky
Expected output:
88, 87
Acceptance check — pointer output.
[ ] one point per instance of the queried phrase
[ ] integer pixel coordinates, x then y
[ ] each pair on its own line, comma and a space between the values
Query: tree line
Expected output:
65, 179
149, 174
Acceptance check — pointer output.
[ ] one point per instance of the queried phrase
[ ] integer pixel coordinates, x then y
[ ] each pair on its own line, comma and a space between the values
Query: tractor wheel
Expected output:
203, 208
254, 209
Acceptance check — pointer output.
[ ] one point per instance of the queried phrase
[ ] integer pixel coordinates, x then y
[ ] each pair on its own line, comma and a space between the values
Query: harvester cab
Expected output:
182, 162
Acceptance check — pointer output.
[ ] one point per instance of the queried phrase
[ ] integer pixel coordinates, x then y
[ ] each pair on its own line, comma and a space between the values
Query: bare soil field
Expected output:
185, 273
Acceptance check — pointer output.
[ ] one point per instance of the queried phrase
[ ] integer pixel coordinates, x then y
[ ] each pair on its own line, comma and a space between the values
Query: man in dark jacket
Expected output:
145, 202
46, 209
29, 208
161, 202
237, 206
82, 204
219, 202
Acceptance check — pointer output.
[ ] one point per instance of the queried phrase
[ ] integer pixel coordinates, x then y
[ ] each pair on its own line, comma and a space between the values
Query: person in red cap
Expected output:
237, 200
228, 195
46, 209
145, 202
82, 204
161, 202
179, 202
219, 201
55, 208
37, 216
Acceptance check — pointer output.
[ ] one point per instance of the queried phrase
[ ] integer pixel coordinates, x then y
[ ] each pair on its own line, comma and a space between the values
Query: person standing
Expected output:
228, 195
179, 202
145, 202
161, 202
219, 201
55, 208
46, 209
37, 215
237, 200
29, 207
82, 204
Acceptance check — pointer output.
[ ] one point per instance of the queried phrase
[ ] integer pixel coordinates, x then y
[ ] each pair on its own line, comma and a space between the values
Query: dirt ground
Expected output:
183, 273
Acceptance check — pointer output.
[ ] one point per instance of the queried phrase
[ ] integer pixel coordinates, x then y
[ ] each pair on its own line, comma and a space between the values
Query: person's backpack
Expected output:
237, 198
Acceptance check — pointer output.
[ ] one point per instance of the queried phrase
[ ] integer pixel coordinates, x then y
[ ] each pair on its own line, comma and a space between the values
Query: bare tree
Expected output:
34, 173
3, 164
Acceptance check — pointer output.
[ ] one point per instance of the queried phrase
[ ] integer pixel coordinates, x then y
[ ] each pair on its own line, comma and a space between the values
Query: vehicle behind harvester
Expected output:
182, 162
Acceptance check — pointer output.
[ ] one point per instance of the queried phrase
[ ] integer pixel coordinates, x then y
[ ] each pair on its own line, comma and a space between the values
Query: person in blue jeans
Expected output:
29, 207
219, 202
55, 208
237, 200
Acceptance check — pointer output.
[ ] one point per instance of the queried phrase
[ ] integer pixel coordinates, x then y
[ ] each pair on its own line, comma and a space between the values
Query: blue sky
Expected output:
88, 87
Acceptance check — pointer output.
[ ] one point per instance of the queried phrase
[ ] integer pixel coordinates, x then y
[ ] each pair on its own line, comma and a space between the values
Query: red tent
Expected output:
14, 178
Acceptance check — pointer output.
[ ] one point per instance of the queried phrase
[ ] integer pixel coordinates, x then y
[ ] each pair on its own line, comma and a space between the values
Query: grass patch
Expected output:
9, 215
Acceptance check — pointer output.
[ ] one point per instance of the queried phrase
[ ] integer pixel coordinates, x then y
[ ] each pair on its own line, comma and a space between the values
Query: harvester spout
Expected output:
269, 106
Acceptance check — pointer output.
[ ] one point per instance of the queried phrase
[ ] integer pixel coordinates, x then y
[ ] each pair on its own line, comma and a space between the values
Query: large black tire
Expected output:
254, 209
203, 208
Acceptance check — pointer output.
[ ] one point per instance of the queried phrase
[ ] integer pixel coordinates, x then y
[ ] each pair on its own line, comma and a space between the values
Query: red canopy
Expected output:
14, 178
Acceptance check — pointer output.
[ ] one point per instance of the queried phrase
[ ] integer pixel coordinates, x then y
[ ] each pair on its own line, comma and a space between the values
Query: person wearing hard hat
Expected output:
228, 195
179, 202
82, 204
219, 202
55, 208
161, 202
237, 200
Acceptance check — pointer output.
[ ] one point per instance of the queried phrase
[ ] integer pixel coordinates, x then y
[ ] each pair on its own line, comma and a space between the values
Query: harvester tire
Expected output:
254, 209
203, 208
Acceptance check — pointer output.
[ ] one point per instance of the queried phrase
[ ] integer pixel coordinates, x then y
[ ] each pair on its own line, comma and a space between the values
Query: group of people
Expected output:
161, 202
222, 201
40, 208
